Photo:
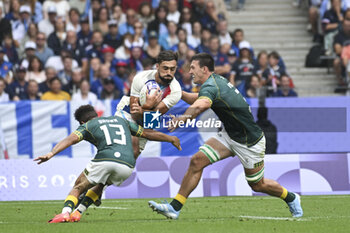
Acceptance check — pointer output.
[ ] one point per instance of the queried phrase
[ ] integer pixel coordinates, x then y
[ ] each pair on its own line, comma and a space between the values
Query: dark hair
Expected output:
31, 59
166, 55
85, 113
75, 10
54, 79
274, 54
204, 59
145, 4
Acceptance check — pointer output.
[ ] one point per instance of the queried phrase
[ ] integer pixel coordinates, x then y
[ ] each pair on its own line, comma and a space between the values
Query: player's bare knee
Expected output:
197, 163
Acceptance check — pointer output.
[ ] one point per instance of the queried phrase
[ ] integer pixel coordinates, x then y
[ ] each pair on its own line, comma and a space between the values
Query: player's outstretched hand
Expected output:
44, 158
176, 142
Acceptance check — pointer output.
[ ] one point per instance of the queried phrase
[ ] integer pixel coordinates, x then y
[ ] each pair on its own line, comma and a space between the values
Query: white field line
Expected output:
111, 208
275, 218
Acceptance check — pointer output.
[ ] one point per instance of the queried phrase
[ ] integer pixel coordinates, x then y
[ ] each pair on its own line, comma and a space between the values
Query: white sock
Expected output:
66, 209
81, 208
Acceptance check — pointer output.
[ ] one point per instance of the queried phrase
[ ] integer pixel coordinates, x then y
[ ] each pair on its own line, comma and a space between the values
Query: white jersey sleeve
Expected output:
175, 94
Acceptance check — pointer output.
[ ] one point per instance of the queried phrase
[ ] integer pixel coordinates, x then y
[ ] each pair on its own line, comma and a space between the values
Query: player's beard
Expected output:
165, 80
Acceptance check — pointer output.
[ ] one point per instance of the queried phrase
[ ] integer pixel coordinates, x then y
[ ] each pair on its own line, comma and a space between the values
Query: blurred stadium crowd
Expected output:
329, 22
92, 49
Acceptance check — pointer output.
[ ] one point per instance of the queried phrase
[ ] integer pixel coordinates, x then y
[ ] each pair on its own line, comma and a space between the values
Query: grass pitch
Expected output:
214, 214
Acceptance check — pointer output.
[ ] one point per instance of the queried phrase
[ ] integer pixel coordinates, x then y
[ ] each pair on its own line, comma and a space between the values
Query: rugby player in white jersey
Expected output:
164, 75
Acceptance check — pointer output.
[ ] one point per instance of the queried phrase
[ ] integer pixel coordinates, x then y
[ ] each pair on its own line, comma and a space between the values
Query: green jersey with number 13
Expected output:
112, 138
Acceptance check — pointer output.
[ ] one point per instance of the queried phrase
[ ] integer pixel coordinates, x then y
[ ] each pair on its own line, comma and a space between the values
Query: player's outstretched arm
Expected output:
68, 141
189, 97
199, 106
154, 135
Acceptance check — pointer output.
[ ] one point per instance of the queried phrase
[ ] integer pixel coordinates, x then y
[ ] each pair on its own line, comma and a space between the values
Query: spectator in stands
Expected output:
194, 39
97, 85
85, 34
186, 20
153, 48
29, 36
243, 68
128, 81
269, 129
136, 58
5, 66
35, 70
108, 57
84, 94
57, 37
138, 40
272, 75
95, 64
253, 87
237, 38
10, 49
331, 22
211, 18
47, 25
57, 61
73, 85
159, 24
42, 51
109, 5
96, 46
341, 41
119, 15
55, 92
123, 52
20, 26
5, 26
109, 91
32, 90
4, 97
65, 75
224, 35
50, 73
17, 89
231, 57
198, 8
77, 51
182, 36
285, 90
62, 7
74, 21
222, 66
205, 40
122, 68
102, 23
145, 13
128, 26
112, 39
173, 14
167, 41
313, 18
95, 7
261, 64
13, 13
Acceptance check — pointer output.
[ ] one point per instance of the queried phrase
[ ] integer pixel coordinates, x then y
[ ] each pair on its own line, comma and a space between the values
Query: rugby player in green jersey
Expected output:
113, 163
241, 136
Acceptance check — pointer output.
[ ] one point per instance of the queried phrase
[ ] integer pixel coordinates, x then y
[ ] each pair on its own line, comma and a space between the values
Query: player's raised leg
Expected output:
81, 185
211, 152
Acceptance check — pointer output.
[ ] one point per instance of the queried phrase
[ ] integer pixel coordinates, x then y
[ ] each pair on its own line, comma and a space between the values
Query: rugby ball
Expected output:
151, 87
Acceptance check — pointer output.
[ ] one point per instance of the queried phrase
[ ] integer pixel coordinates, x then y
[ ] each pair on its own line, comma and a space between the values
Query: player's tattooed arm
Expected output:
68, 141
